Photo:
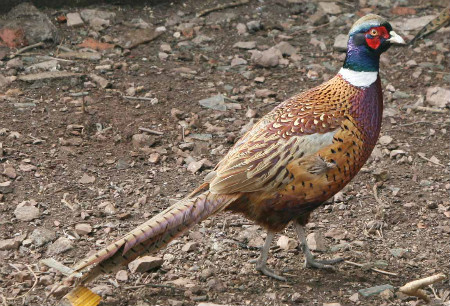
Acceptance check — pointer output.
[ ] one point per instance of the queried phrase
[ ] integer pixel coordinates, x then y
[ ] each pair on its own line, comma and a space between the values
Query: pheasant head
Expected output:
370, 36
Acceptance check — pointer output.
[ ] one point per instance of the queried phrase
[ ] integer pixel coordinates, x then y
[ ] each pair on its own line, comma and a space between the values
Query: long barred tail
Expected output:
148, 237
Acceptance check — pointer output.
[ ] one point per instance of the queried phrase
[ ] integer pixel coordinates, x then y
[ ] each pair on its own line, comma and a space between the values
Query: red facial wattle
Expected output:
374, 41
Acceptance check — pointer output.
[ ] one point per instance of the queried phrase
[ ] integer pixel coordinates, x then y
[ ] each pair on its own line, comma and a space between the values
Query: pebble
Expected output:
41, 236
61, 245
195, 166
316, 242
247, 45
190, 246
399, 253
265, 93
286, 48
241, 28
286, 243
86, 179
330, 8
385, 140
83, 229
268, 58
375, 290
145, 263
340, 42
438, 96
254, 26
103, 290
9, 172
216, 102
122, 275
25, 212
237, 61
9, 244
74, 20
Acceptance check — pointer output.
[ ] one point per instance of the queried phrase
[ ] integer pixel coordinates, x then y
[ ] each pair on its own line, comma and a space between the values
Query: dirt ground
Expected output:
78, 162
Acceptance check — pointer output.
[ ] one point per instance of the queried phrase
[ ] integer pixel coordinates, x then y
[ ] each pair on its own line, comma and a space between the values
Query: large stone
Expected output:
245, 45
83, 229
41, 236
9, 244
36, 26
316, 242
145, 264
330, 8
74, 20
340, 42
374, 290
286, 48
26, 212
268, 58
438, 96
60, 246
286, 243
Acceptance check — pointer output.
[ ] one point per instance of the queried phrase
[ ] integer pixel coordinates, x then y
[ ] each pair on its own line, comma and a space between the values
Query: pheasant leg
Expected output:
310, 261
261, 265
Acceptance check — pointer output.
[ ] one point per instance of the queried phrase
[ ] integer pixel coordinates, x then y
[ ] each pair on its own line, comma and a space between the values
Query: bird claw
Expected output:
266, 271
310, 262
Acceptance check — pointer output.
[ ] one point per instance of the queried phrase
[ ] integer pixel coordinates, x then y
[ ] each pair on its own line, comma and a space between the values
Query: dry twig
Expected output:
221, 7
375, 193
22, 50
414, 288
150, 131
373, 269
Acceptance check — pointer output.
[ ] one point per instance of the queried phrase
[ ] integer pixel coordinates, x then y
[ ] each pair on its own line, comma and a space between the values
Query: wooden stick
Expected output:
429, 109
433, 162
375, 193
52, 263
414, 288
221, 7
22, 50
373, 269
138, 98
143, 129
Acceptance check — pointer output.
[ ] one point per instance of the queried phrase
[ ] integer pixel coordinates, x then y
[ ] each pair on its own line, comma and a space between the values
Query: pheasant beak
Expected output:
395, 38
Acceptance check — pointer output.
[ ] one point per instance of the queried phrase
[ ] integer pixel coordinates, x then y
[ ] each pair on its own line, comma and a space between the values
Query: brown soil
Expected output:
413, 217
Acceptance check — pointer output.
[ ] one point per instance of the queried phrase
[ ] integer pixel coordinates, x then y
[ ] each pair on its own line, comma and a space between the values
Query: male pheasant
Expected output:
295, 158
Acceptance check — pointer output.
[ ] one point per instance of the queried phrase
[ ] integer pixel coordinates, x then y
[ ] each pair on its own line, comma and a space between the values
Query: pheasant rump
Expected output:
296, 157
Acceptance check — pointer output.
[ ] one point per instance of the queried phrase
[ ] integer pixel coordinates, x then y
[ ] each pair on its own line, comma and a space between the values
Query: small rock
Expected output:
438, 96
399, 253
26, 212
338, 197
354, 297
254, 26
9, 244
340, 42
395, 153
83, 229
165, 48
318, 18
122, 275
241, 28
163, 56
190, 246
286, 48
101, 81
296, 297
265, 93
330, 8
385, 140
286, 243
331, 304
15, 63
74, 20
142, 140
103, 290
145, 263
195, 166
61, 245
237, 61
316, 242
375, 290
336, 233
10, 172
215, 102
86, 179
6, 187
251, 113
267, 58
245, 45
154, 158
387, 294
41, 236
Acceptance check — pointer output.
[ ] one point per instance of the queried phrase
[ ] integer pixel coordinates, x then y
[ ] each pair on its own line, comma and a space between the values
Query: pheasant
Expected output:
295, 158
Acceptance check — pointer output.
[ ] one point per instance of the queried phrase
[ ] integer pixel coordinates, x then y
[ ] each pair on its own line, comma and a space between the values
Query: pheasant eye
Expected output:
373, 32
